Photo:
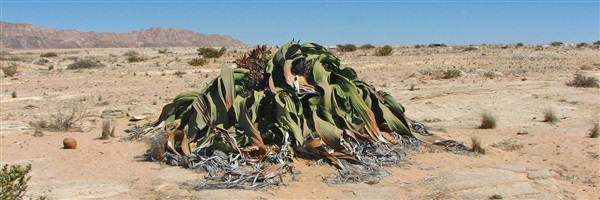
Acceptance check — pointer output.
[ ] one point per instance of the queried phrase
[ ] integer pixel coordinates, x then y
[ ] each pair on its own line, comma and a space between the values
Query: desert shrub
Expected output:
587, 67
418, 46
550, 116
384, 51
489, 74
73, 58
41, 61
211, 52
198, 62
520, 44
13, 181
366, 47
583, 81
106, 130
556, 43
133, 56
63, 118
471, 48
436, 45
595, 131
346, 47
84, 64
581, 45
49, 54
179, 73
452, 73
488, 121
476, 145
163, 51
10, 58
10, 70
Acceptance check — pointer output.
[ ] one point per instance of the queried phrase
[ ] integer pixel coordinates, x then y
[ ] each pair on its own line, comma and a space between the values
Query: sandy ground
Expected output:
553, 161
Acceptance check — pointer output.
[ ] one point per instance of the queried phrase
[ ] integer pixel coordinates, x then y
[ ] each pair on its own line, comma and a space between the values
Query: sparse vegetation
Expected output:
436, 45
366, 47
583, 81
489, 74
107, 132
10, 58
163, 51
49, 54
179, 73
471, 48
41, 61
595, 132
556, 43
211, 52
488, 120
84, 64
133, 56
13, 94
64, 118
384, 51
476, 145
13, 181
520, 44
581, 45
10, 70
452, 73
346, 47
198, 62
550, 116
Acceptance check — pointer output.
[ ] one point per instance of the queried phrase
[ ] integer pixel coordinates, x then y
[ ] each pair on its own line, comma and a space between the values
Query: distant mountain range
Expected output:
27, 36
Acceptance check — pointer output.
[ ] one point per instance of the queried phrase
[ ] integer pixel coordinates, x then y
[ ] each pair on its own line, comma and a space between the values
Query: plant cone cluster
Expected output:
300, 96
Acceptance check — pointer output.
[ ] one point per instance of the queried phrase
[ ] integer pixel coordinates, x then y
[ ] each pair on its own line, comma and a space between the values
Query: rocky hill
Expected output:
26, 36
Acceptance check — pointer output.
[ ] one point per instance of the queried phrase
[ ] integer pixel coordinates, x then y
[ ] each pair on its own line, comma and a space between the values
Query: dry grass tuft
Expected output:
595, 131
106, 130
476, 145
550, 116
10, 70
583, 81
488, 121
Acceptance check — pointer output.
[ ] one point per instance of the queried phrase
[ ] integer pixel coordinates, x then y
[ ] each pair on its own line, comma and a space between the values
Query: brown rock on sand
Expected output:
69, 143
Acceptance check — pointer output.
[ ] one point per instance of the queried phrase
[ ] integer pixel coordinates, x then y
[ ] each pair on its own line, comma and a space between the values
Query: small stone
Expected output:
522, 132
69, 143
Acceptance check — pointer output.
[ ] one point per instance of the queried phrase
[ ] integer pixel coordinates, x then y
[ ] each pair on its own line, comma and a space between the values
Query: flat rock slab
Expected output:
78, 189
8, 127
508, 180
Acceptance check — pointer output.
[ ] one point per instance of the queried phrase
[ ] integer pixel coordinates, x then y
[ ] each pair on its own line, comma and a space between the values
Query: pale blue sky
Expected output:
328, 22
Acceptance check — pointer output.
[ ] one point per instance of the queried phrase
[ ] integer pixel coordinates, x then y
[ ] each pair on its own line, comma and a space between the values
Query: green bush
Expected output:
13, 181
384, 51
211, 52
85, 64
346, 48
49, 54
198, 62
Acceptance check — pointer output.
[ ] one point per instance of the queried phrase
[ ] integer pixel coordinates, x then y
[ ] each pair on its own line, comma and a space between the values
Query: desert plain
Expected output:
516, 84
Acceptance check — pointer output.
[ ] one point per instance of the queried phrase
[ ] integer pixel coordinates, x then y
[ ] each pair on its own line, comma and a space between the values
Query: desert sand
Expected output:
552, 161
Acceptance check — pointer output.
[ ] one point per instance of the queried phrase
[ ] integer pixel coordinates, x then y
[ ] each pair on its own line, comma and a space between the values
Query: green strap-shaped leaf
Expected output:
228, 90
287, 115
